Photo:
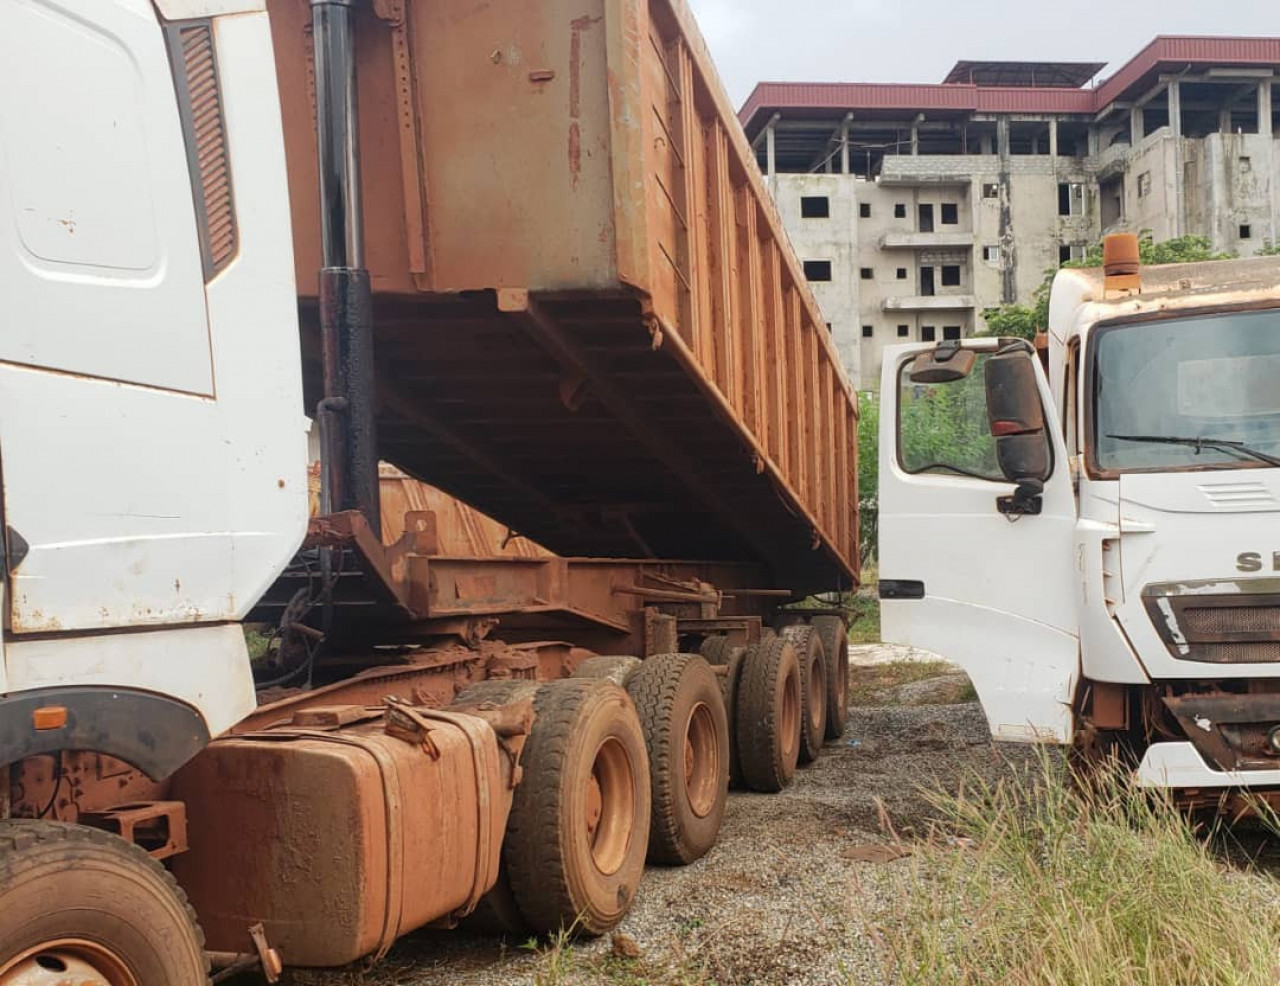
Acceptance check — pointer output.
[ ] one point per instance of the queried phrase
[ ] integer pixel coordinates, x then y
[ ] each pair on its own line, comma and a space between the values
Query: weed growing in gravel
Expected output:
1050, 878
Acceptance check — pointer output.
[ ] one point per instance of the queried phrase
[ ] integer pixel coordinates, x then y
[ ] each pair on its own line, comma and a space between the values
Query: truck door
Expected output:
977, 512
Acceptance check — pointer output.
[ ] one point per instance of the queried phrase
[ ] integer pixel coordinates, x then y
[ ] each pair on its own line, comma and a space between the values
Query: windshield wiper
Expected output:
1202, 443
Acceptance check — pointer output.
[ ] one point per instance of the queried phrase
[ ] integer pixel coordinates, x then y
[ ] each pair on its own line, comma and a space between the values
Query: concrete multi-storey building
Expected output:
916, 207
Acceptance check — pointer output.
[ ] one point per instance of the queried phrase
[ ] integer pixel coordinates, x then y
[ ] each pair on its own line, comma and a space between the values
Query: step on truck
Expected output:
1098, 546
518, 251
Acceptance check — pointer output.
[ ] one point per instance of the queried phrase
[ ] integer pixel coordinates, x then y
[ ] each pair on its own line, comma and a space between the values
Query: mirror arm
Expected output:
1026, 499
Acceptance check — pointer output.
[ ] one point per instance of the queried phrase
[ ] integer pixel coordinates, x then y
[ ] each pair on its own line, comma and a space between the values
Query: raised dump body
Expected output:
588, 320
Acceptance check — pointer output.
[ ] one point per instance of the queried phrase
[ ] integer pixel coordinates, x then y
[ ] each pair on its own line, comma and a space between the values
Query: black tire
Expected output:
813, 690
567, 870
768, 720
835, 642
681, 707
616, 669
110, 908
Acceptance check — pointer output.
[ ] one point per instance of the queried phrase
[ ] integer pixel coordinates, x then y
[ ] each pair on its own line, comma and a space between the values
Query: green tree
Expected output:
1025, 321
868, 473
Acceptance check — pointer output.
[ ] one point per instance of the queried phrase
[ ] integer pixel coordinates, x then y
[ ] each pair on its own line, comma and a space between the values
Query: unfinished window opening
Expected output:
904, 331
1070, 198
902, 273
868, 331
866, 273
1246, 164
900, 210
864, 210
1246, 231
950, 275
1144, 184
928, 333
949, 213
991, 254
926, 218
1064, 254
817, 270
990, 190
815, 207
926, 281
951, 332
1111, 201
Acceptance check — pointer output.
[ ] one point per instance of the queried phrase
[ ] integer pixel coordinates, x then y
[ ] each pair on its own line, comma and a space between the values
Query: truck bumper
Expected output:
1180, 765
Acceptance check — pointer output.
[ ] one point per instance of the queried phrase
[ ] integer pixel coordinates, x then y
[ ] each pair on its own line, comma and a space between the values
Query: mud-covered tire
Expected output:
77, 901
768, 715
716, 650
813, 689
730, 681
835, 642
616, 669
681, 707
579, 826
498, 914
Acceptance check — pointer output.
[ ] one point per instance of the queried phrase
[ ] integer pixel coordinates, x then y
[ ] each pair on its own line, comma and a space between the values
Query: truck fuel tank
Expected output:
344, 828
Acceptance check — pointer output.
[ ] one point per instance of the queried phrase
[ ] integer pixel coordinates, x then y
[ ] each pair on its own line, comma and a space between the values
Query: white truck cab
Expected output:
1099, 545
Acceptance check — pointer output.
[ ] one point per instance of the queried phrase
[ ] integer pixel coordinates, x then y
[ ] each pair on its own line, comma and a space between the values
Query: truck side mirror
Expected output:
1015, 416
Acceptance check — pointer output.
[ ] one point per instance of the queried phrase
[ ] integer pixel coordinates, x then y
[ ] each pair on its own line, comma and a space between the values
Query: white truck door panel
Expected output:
998, 592
101, 224
147, 498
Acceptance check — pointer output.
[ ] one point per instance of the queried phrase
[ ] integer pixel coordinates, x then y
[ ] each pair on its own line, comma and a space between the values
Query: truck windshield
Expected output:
1198, 392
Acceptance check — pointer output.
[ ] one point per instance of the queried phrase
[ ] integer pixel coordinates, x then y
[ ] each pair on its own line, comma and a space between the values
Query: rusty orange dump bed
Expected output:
588, 320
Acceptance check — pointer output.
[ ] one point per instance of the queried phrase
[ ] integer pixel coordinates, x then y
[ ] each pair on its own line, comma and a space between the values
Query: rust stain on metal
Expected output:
576, 27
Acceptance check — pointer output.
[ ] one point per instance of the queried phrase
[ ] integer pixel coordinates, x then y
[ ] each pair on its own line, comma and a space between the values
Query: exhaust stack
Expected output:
348, 429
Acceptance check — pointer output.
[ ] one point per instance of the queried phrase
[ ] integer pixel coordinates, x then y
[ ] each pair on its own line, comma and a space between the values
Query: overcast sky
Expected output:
919, 40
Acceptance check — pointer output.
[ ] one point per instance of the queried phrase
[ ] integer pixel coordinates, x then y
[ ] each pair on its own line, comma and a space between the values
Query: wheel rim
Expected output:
69, 960
701, 761
817, 694
611, 799
790, 714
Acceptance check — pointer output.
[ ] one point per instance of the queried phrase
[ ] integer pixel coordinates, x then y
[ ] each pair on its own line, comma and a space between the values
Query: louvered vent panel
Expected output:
208, 137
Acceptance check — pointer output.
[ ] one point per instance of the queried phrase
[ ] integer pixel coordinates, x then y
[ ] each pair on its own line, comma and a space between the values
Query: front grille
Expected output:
1204, 620
1198, 623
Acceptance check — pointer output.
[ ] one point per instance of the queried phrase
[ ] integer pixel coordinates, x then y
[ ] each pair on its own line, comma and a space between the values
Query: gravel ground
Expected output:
779, 900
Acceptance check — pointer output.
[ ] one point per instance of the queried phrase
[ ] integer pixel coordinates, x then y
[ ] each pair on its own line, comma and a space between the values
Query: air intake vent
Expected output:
200, 102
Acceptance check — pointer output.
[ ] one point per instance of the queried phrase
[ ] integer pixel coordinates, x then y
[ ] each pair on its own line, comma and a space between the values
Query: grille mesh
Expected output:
209, 140
1199, 620
1262, 652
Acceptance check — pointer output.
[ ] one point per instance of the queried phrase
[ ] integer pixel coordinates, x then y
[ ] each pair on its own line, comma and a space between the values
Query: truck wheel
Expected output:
716, 650
835, 642
813, 690
616, 669
579, 824
686, 731
79, 905
729, 685
768, 714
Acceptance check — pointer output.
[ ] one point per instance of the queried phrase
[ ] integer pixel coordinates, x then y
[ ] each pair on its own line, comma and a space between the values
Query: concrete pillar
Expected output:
1002, 136
1137, 125
1264, 108
1265, 131
1175, 125
1224, 119
770, 152
1095, 141
844, 143
915, 134
1053, 139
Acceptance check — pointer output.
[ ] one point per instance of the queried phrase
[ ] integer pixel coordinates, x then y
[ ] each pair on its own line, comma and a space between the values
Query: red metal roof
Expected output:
1172, 52
1039, 75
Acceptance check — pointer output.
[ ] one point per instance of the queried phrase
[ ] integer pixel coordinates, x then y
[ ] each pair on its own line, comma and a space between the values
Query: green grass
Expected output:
1043, 878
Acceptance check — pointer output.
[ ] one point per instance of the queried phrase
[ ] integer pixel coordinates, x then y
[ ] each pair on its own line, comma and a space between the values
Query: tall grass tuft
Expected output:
1051, 878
